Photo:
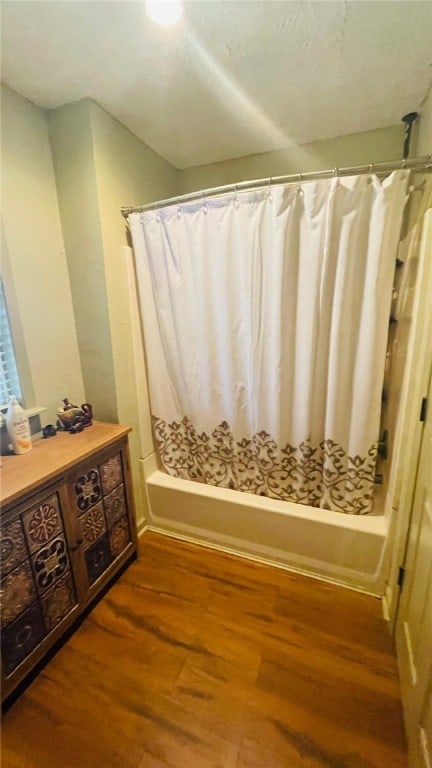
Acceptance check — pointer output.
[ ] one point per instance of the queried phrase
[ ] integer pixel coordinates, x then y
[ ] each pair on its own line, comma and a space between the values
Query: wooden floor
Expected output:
195, 659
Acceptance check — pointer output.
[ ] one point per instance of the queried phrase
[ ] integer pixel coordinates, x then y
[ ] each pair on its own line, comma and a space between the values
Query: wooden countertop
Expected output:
52, 456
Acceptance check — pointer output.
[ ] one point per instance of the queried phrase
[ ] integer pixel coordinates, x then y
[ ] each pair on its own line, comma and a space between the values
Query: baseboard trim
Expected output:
180, 536
142, 528
424, 747
385, 609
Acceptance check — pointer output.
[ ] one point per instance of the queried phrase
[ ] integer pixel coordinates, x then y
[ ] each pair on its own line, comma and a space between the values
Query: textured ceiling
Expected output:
232, 78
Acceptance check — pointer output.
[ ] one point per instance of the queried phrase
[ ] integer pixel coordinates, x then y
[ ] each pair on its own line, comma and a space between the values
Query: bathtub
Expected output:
346, 549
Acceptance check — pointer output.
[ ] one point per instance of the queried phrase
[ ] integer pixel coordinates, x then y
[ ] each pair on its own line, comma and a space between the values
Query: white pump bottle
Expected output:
18, 427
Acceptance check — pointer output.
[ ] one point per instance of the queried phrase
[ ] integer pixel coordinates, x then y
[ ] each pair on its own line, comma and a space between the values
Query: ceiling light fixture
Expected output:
164, 12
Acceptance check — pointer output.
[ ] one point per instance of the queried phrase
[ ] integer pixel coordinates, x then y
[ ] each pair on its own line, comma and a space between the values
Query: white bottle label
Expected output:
22, 436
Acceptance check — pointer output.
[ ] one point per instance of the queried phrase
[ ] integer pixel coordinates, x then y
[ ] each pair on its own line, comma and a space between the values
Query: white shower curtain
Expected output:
265, 319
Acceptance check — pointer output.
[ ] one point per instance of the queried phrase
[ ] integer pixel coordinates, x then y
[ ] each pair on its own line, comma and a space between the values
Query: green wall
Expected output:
359, 148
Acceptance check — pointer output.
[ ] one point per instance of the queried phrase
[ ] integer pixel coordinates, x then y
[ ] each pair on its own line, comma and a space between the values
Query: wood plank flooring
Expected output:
195, 659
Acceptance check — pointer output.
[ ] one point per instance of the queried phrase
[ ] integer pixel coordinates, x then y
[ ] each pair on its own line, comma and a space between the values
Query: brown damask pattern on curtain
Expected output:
317, 475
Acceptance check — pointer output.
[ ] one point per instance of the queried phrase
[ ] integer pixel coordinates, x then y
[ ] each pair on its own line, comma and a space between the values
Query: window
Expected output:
9, 380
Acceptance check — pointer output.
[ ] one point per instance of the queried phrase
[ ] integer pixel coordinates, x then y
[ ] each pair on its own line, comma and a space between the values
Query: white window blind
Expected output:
9, 380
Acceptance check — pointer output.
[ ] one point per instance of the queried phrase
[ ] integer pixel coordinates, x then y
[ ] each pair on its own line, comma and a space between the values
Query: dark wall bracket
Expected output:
409, 120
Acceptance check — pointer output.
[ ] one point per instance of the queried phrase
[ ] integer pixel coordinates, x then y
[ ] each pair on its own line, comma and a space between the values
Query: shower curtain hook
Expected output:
269, 193
299, 184
236, 202
179, 210
335, 176
205, 206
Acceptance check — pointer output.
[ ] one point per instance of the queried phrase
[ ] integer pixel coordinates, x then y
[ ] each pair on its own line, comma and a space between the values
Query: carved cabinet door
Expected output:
99, 497
38, 587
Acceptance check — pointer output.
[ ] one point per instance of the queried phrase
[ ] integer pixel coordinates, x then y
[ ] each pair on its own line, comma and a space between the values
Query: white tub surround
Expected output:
347, 549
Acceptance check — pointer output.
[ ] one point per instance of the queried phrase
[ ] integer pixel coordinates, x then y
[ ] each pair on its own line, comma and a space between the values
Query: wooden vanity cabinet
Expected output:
67, 527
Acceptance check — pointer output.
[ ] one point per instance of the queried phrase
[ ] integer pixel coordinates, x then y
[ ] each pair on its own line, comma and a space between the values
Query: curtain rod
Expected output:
415, 163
